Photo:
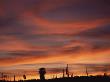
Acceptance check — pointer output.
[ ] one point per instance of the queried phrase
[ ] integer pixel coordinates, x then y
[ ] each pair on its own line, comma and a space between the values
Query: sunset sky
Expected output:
53, 33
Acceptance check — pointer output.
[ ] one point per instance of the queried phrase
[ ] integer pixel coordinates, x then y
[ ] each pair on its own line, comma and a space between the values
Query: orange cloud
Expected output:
71, 27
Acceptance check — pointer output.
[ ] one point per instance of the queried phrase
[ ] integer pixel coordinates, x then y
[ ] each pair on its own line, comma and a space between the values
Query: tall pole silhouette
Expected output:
105, 71
67, 71
56, 76
42, 72
53, 77
2, 75
14, 78
72, 75
87, 72
63, 73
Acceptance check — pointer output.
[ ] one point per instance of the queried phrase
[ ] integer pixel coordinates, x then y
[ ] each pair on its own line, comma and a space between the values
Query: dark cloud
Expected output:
97, 38
54, 70
80, 10
101, 46
28, 53
75, 49
98, 32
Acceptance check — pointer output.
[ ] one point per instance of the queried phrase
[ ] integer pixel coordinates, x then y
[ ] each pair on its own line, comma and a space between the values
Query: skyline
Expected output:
53, 33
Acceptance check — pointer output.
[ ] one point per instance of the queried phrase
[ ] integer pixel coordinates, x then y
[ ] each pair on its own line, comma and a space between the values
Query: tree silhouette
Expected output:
24, 76
42, 72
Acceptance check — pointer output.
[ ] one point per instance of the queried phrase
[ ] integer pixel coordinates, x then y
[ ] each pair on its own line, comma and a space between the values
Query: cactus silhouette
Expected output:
42, 72
67, 71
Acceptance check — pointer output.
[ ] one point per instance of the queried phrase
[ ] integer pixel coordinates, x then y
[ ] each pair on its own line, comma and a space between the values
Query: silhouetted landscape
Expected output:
66, 76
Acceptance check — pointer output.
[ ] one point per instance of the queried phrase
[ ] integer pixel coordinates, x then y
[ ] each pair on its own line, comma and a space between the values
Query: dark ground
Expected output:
73, 79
